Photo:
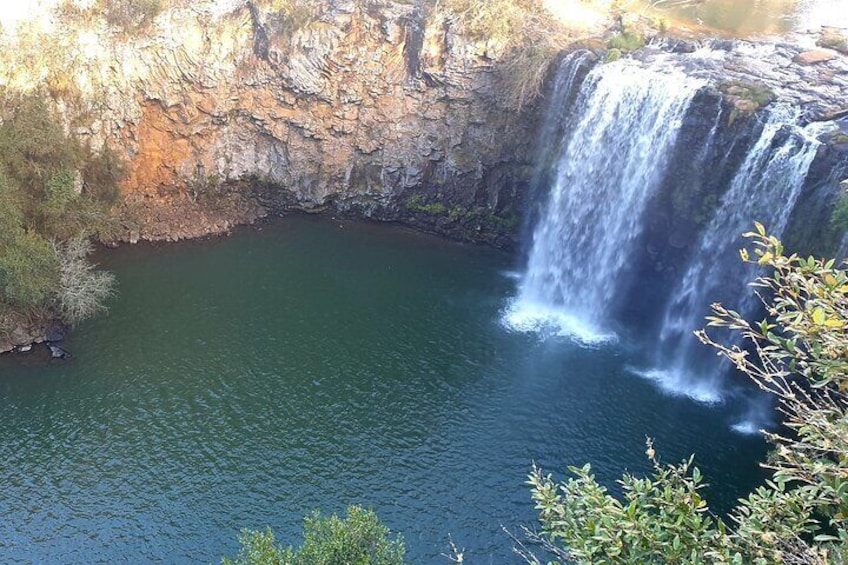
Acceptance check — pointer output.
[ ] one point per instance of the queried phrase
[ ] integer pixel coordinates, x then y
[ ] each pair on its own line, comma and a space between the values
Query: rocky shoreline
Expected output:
50, 332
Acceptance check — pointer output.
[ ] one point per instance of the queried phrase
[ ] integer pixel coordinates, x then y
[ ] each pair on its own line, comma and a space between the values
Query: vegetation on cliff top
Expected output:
524, 31
131, 17
745, 97
833, 38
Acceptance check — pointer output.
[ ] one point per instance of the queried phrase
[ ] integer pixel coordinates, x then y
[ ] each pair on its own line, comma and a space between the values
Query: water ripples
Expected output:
178, 424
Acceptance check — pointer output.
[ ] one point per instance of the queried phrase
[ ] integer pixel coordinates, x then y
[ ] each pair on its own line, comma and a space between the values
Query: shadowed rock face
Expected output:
383, 112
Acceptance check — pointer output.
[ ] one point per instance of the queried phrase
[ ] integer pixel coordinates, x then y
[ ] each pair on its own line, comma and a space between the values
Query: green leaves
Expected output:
358, 539
661, 518
29, 273
799, 354
43, 201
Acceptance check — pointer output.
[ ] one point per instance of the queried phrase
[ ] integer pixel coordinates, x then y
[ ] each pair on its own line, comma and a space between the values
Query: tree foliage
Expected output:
28, 273
358, 539
799, 354
54, 195
661, 519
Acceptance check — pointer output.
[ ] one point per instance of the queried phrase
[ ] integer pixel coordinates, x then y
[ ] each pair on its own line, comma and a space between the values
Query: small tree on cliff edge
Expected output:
799, 353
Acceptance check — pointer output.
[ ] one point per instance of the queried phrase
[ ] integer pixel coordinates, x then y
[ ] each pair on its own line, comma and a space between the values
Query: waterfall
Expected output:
610, 165
765, 188
568, 76
570, 72
599, 256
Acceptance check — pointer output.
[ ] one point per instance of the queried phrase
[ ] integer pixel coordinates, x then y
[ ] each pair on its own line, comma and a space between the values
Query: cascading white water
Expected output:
765, 189
611, 165
560, 105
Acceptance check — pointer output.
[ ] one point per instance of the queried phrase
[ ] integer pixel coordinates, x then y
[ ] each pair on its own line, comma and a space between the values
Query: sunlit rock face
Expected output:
224, 110
225, 115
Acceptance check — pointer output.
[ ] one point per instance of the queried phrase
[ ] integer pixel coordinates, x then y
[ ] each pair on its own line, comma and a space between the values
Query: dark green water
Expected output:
243, 382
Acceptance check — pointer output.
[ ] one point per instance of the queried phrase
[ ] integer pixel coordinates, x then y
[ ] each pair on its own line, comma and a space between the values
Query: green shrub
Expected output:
613, 54
29, 272
626, 41
11, 213
799, 354
34, 147
60, 191
660, 519
359, 539
839, 215
746, 97
54, 195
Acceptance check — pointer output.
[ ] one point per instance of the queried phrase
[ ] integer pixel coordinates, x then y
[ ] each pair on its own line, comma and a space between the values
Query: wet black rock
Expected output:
57, 352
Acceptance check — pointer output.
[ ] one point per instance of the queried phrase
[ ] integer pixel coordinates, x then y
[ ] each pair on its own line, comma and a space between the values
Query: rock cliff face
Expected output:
382, 111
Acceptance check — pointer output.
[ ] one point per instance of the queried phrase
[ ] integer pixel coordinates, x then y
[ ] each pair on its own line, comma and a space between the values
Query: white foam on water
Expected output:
678, 384
759, 415
511, 275
528, 317
747, 427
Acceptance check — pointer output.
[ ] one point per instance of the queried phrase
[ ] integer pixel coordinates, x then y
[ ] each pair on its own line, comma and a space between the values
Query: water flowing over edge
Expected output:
765, 188
574, 269
609, 168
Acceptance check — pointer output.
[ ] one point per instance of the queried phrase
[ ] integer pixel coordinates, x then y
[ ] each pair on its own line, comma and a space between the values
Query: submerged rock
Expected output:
57, 352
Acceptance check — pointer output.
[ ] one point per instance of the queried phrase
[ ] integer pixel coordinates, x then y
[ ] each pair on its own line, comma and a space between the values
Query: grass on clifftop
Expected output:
131, 17
526, 34
747, 98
